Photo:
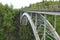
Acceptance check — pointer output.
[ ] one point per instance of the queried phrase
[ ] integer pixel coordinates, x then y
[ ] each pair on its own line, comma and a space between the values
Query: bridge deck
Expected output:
42, 11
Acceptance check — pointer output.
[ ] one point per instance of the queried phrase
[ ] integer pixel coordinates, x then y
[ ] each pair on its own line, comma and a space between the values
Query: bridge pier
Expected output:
24, 19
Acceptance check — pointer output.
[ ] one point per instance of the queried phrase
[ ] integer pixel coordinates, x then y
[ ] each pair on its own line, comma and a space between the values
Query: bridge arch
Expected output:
32, 25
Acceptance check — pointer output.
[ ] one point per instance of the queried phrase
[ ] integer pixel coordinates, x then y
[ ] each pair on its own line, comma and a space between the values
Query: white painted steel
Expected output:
44, 29
36, 20
55, 22
46, 22
32, 25
53, 31
49, 13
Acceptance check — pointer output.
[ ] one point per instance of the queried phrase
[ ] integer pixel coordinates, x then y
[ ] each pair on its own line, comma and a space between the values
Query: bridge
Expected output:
38, 21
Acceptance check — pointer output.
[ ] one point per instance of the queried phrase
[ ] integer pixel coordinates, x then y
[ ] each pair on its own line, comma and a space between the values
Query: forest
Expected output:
7, 27
10, 28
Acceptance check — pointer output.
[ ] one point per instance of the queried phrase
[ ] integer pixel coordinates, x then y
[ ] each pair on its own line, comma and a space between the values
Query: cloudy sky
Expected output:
19, 3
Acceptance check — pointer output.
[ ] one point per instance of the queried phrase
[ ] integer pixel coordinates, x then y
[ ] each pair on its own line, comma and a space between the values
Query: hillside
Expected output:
45, 6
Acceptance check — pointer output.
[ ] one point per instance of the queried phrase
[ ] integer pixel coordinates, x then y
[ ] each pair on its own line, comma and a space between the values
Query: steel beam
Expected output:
53, 31
49, 13
44, 29
55, 21
32, 25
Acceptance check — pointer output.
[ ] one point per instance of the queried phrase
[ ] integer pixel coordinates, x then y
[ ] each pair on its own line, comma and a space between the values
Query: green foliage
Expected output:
45, 3
7, 14
26, 32
3, 36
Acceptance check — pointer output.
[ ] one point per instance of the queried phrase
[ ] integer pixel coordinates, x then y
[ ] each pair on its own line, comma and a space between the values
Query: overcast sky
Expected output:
19, 3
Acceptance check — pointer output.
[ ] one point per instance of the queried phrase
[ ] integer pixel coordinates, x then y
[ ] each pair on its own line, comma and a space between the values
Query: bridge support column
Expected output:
55, 21
31, 15
36, 20
44, 29
32, 25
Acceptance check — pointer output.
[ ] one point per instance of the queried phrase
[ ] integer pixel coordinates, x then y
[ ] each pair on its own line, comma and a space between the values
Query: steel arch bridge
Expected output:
40, 21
